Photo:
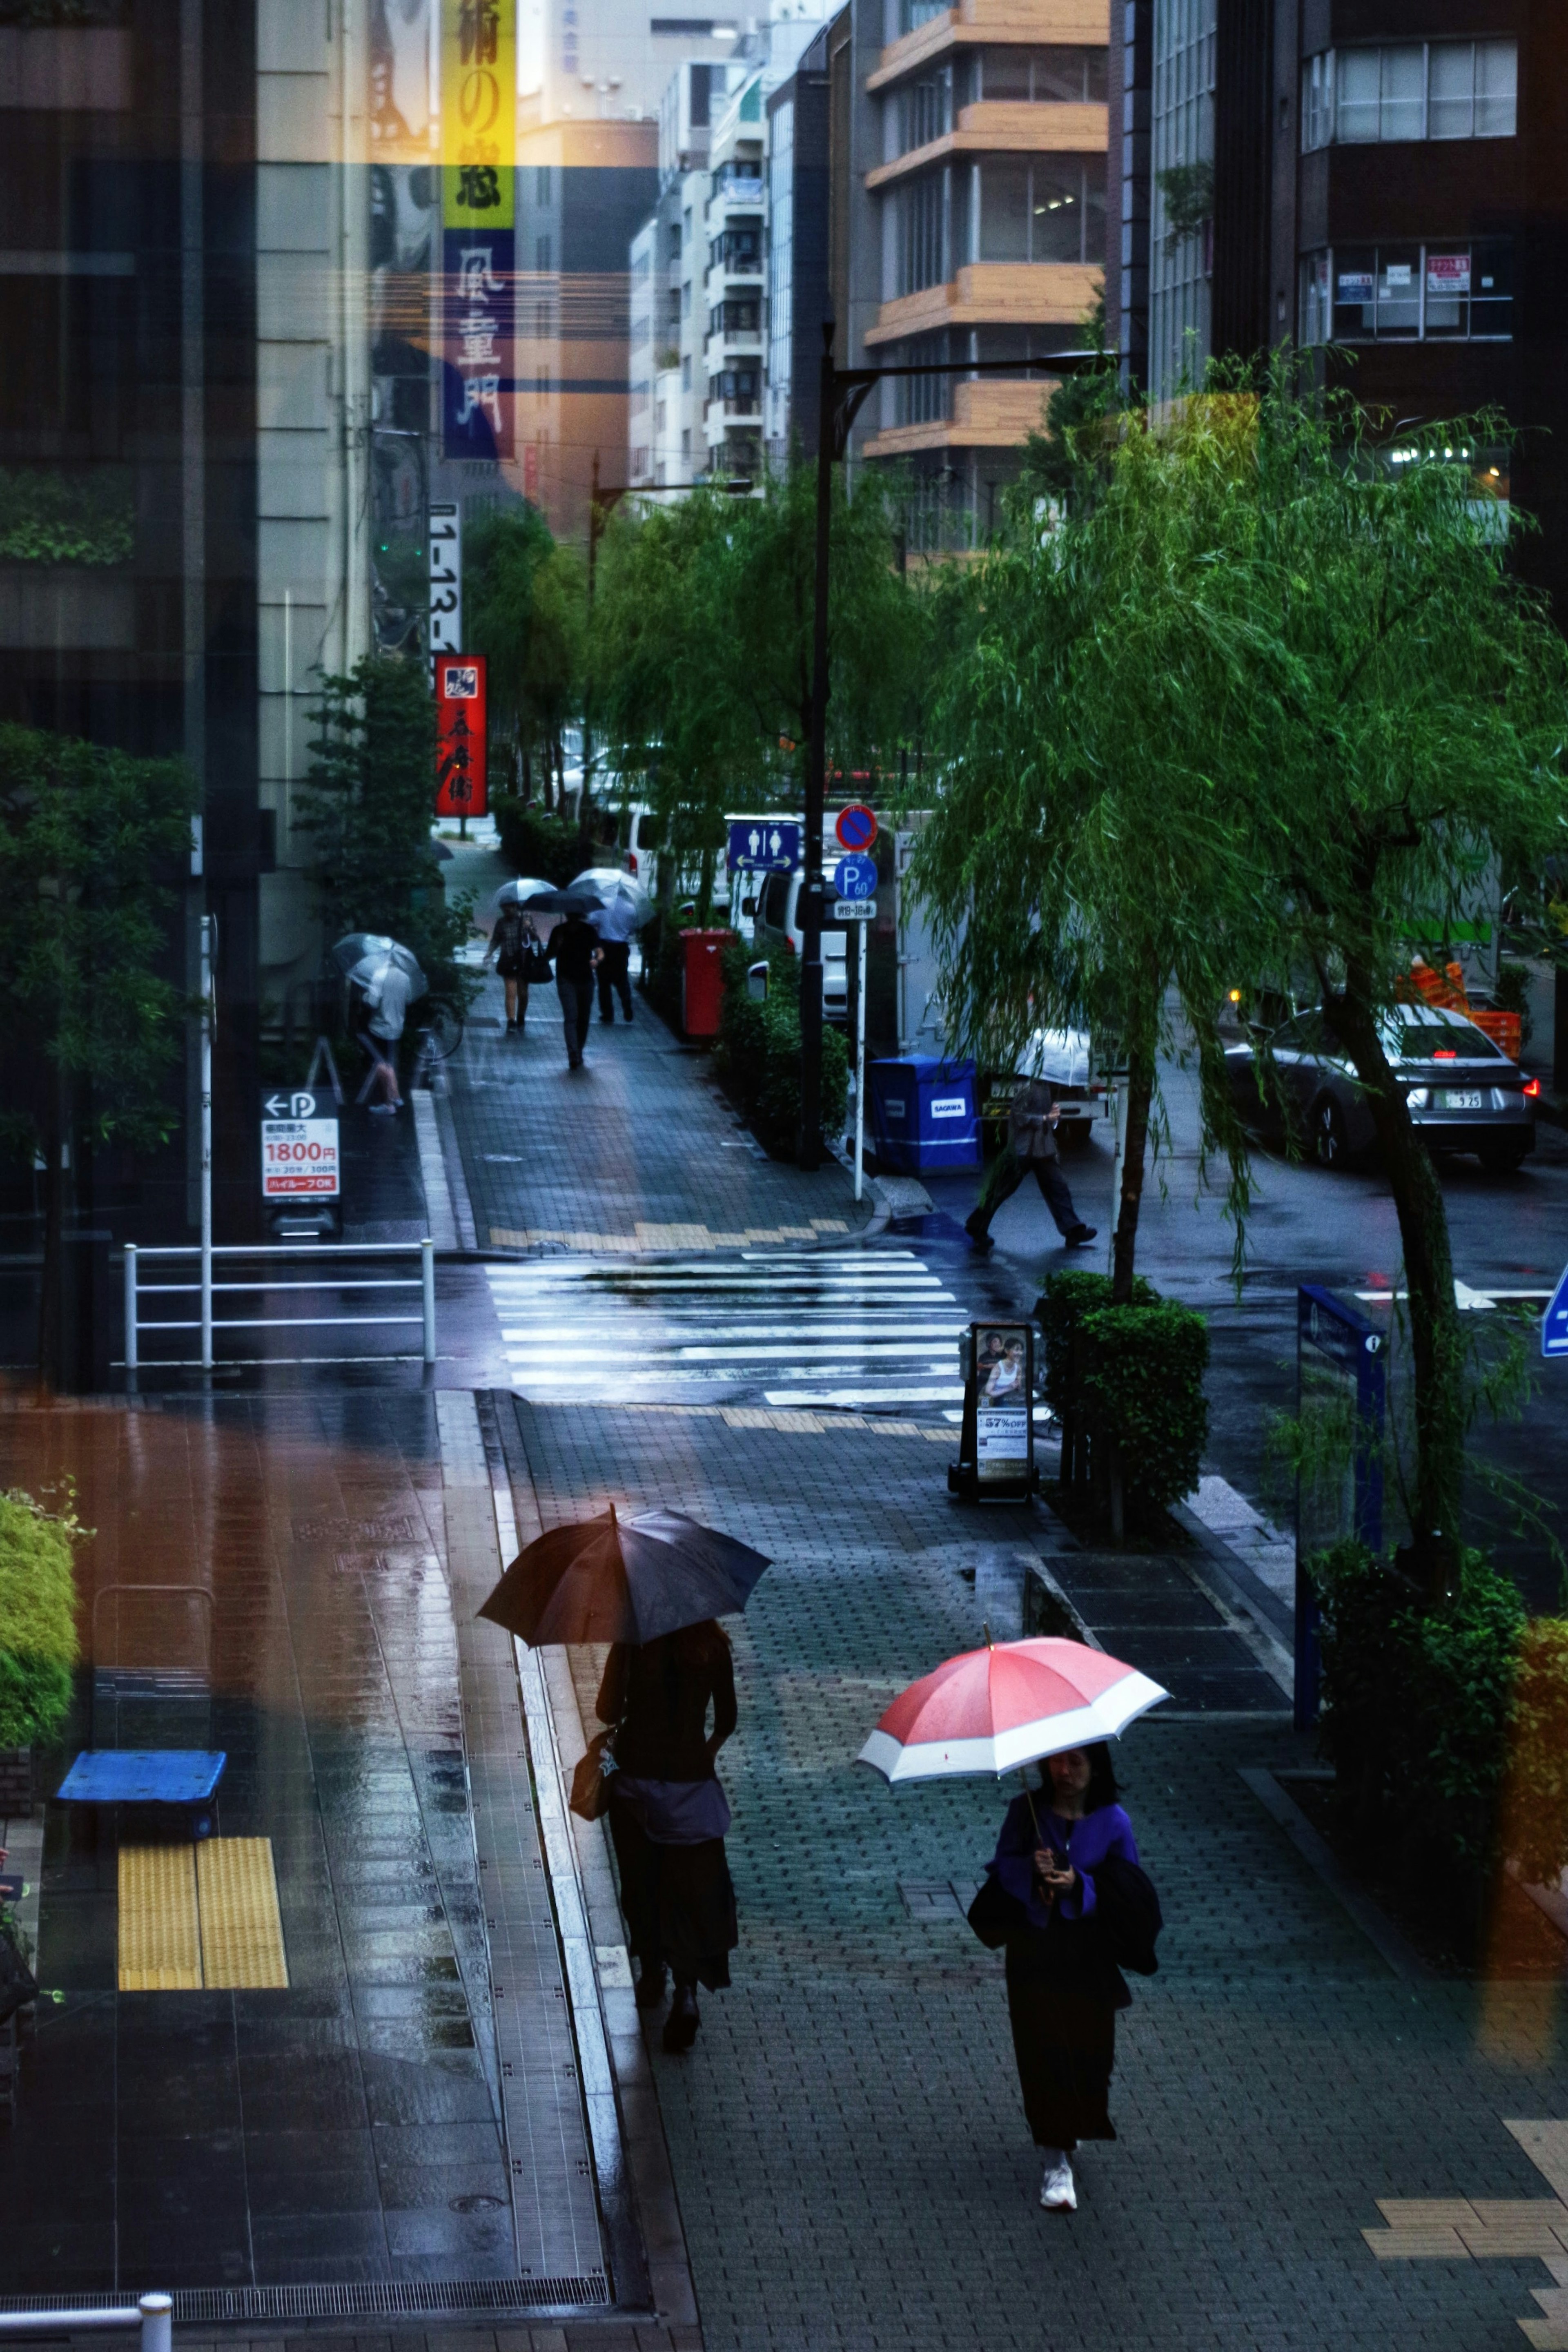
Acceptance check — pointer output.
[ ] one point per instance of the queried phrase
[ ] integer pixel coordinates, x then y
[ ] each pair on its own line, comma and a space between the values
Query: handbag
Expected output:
591, 1782
536, 966
995, 1914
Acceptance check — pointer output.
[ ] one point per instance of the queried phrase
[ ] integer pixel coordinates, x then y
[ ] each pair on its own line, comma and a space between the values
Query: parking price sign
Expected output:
299, 1157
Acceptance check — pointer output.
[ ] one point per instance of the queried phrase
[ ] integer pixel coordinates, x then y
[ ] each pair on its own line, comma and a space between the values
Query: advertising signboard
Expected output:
461, 781
299, 1156
446, 577
478, 224
996, 1444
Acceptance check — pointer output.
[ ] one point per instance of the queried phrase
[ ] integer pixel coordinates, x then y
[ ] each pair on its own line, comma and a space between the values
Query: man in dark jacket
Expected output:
576, 951
1030, 1149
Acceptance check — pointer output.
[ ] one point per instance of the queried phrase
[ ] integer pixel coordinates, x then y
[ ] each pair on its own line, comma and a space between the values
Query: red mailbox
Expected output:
702, 980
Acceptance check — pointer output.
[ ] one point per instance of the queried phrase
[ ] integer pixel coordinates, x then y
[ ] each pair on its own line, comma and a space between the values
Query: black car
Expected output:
1464, 1093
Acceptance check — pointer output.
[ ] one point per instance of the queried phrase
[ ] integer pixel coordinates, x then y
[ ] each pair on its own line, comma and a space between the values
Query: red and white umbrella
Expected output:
996, 1708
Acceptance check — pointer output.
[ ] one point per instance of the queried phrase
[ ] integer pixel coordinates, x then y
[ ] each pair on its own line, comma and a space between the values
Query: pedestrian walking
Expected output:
576, 951
668, 1814
615, 923
510, 949
1064, 1987
387, 998
1030, 1148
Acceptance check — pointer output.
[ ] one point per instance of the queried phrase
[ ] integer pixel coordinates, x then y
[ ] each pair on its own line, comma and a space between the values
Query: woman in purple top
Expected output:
1064, 1988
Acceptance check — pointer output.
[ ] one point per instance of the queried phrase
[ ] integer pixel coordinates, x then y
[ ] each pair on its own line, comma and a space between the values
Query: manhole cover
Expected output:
476, 2204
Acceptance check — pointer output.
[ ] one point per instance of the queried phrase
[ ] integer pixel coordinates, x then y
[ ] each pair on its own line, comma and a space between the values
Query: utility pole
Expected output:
843, 393
208, 1010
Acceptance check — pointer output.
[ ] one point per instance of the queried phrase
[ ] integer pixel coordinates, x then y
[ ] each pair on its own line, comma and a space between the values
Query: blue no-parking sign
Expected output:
855, 878
1554, 1322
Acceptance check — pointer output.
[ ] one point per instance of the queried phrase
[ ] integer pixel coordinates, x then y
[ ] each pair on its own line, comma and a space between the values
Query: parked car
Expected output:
776, 924
1464, 1093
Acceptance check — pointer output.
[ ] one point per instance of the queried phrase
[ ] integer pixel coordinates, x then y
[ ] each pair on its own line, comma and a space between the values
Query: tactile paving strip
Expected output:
241, 1930
195, 1917
159, 1933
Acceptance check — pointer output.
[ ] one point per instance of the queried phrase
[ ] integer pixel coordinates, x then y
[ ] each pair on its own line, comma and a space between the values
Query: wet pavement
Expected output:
269, 1578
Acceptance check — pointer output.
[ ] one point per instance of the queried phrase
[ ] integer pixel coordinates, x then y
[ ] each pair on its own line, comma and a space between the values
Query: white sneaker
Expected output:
1057, 2192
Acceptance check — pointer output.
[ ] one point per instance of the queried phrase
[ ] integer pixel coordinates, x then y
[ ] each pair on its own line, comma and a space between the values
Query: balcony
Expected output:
987, 414
991, 21
995, 294
1013, 127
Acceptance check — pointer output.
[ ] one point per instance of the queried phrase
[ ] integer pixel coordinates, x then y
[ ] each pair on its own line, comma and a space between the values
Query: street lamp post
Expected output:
842, 393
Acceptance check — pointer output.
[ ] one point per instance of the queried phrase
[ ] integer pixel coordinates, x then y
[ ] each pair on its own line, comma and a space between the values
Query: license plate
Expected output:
1468, 1098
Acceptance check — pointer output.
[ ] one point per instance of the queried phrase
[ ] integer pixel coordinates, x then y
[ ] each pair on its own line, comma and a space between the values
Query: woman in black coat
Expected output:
668, 1815
1063, 1986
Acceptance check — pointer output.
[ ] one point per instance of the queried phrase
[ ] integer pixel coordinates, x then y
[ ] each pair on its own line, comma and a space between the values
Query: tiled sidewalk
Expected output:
638, 1150
848, 2146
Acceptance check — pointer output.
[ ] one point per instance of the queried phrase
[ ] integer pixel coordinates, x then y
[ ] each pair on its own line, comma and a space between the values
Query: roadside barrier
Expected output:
264, 1285
153, 2314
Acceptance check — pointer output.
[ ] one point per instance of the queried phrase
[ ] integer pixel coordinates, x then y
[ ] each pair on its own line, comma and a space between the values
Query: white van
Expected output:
775, 923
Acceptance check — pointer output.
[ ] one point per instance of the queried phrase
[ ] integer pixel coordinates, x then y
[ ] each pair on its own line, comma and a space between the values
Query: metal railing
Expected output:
153, 2314
303, 1253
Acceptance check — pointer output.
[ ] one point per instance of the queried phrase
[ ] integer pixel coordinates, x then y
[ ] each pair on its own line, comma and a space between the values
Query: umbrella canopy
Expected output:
610, 1579
373, 969
546, 901
996, 1708
518, 893
608, 883
355, 946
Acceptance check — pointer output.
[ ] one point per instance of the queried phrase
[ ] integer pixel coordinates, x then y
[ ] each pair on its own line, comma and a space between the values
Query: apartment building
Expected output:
733, 288
968, 162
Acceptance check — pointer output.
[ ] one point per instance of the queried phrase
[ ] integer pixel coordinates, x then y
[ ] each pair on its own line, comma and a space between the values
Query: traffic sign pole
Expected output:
859, 1061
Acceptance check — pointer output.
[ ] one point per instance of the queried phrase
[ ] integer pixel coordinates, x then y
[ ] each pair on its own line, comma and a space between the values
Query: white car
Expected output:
775, 923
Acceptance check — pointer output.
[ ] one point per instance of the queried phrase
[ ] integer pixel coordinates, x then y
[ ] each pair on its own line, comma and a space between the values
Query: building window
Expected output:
912, 14
1410, 89
738, 250
924, 399
740, 389
1054, 77
925, 110
921, 258
781, 258
1050, 209
734, 319
1462, 291
686, 372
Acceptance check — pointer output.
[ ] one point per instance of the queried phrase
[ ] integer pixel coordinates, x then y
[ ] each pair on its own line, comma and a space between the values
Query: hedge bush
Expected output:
1070, 1294
758, 1052
545, 847
1425, 1712
1142, 1388
37, 1621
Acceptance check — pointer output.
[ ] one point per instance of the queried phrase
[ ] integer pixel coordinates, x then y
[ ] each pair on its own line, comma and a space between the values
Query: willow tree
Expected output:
1273, 705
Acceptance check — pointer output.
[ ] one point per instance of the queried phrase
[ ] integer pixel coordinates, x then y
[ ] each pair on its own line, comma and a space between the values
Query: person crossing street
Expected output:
1030, 1149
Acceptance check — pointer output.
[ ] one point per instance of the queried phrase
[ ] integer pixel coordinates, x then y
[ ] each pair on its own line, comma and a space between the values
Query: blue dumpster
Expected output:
924, 1115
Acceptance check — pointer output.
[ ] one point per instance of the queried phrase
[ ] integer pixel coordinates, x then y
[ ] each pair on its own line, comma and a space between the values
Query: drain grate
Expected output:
380, 2298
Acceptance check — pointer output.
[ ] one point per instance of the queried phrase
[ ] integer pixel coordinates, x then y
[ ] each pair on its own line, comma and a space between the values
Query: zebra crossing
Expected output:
853, 1328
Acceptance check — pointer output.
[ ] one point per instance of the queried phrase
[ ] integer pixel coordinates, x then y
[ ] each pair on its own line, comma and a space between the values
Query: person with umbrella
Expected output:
1064, 1891
654, 1587
575, 951
511, 946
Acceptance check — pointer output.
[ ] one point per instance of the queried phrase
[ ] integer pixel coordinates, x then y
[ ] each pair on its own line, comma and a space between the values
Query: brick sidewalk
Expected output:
847, 2141
638, 1150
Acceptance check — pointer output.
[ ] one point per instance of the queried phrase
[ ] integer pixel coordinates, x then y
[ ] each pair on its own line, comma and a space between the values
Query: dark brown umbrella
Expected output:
610, 1579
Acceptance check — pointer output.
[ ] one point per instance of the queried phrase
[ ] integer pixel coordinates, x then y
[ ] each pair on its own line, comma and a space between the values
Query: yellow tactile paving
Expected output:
242, 1931
159, 1933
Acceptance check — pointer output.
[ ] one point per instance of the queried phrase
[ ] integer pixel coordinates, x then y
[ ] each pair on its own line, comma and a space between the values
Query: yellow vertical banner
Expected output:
478, 113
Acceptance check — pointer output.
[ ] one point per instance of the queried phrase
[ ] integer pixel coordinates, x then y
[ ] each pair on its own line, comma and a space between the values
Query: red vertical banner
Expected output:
461, 781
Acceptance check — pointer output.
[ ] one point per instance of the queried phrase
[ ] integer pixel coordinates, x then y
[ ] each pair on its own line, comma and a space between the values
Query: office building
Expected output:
969, 175
796, 289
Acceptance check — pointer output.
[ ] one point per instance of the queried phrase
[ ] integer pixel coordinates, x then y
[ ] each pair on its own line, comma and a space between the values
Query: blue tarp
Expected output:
133, 1776
923, 1113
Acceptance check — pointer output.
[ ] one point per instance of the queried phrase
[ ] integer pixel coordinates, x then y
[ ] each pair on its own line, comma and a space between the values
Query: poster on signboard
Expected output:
1002, 1439
479, 220
461, 779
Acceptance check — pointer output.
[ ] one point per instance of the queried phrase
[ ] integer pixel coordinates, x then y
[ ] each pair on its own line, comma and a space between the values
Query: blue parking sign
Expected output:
855, 878
1554, 1322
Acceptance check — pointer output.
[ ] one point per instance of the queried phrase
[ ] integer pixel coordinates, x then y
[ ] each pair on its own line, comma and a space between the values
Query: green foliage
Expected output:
1070, 1293
86, 836
758, 1052
1418, 1708
526, 610
534, 842
1512, 995
367, 801
49, 518
1064, 461
1188, 193
38, 1620
701, 648
1535, 1801
1142, 1388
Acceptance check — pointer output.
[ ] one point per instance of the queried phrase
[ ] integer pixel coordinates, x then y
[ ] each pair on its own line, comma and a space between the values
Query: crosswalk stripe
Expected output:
843, 1329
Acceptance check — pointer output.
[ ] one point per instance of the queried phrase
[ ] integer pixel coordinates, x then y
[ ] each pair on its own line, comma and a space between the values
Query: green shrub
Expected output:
1070, 1294
37, 1621
1141, 1388
1417, 1710
758, 1052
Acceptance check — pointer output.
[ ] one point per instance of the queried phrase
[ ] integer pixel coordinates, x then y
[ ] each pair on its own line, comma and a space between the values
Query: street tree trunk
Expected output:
1437, 1347
1140, 1101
